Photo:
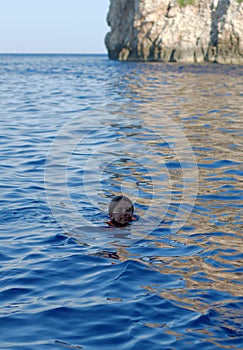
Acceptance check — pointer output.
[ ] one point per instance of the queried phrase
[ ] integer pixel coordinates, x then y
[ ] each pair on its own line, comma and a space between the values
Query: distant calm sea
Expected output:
78, 129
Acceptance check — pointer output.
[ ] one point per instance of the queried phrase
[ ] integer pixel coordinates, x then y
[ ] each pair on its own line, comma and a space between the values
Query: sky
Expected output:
53, 26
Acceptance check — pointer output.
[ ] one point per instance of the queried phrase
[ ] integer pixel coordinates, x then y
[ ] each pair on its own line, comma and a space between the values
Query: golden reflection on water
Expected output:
205, 102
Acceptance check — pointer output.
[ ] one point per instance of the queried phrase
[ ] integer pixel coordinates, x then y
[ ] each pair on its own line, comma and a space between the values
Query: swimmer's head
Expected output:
121, 211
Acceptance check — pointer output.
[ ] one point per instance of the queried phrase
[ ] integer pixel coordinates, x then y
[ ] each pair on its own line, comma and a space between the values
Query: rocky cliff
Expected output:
176, 31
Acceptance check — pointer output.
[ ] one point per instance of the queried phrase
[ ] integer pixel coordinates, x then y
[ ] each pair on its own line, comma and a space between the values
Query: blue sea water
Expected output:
78, 129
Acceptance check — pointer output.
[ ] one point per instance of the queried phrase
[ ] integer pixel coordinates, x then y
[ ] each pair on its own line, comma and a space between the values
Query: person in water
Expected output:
120, 211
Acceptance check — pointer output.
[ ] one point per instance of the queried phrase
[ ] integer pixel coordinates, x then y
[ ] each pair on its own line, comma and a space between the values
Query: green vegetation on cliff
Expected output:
185, 2
192, 2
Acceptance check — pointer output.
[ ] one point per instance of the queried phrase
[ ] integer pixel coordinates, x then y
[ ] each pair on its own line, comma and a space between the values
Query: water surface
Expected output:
76, 130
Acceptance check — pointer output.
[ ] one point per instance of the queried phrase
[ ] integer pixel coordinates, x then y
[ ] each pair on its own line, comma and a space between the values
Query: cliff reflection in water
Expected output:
205, 103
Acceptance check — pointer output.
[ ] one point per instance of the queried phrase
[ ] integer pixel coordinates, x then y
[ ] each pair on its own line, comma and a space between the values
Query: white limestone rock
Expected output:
162, 30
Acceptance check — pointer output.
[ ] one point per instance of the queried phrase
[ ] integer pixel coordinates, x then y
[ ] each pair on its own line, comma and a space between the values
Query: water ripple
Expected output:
100, 127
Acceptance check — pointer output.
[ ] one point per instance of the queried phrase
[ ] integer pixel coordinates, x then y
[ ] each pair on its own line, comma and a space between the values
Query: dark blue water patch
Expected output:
233, 257
99, 322
238, 132
201, 277
230, 187
238, 172
180, 165
219, 164
34, 212
40, 162
188, 228
207, 126
202, 148
219, 197
121, 329
15, 294
214, 177
6, 257
58, 239
193, 117
213, 111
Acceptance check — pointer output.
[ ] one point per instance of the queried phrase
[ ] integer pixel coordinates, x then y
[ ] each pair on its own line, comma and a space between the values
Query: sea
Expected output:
77, 130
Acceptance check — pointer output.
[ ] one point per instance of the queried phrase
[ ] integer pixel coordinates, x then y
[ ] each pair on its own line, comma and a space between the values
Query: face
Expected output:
122, 213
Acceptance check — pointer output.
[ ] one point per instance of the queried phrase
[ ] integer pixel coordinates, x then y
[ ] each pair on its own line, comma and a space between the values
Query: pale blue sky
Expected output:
53, 26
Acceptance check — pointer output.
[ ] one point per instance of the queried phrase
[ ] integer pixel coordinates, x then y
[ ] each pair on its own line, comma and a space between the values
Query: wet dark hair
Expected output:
116, 200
